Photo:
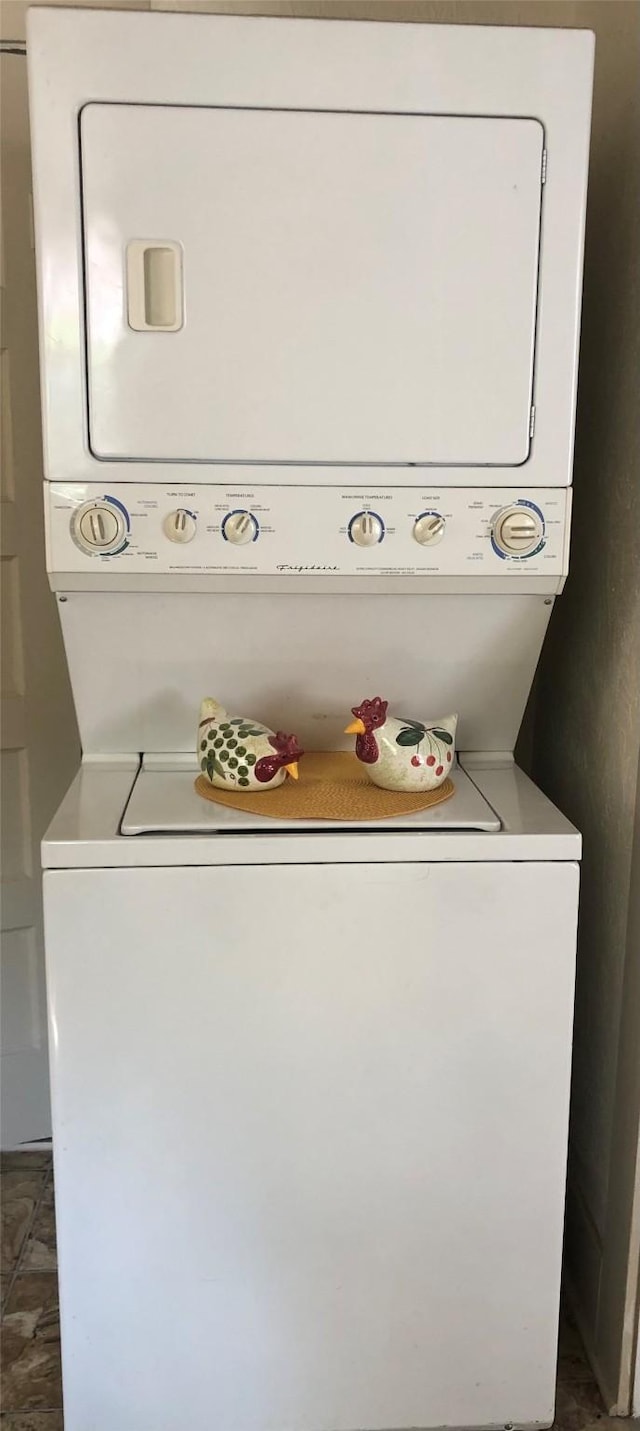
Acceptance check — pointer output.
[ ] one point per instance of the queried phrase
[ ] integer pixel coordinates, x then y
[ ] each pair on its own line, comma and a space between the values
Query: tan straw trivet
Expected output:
333, 785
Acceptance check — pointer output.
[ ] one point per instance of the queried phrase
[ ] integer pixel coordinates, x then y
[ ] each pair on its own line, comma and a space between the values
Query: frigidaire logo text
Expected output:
317, 566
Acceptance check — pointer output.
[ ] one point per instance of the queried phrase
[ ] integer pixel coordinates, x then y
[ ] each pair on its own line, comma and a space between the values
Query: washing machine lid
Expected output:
164, 802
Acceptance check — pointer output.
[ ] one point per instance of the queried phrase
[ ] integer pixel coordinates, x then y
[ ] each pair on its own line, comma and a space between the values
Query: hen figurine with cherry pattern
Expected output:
401, 753
237, 753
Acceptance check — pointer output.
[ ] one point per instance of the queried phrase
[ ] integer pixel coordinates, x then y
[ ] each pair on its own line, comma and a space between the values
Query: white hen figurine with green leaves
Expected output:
401, 753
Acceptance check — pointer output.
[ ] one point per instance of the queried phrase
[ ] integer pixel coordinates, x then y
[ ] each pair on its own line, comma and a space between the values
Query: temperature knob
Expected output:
428, 529
179, 526
517, 530
240, 527
366, 529
99, 527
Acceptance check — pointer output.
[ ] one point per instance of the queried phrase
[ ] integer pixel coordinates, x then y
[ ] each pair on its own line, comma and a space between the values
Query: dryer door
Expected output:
310, 287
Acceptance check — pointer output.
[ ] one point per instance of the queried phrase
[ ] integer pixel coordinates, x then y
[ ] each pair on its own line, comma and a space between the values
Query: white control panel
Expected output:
334, 531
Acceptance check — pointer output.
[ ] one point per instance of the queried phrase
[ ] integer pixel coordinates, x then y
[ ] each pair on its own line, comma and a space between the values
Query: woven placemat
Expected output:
333, 785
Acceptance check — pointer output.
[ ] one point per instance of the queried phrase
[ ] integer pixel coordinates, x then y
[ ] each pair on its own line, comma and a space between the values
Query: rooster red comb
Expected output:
372, 713
286, 746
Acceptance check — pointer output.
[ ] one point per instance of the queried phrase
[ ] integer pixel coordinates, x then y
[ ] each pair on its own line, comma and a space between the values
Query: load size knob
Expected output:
99, 527
240, 527
179, 526
366, 529
517, 530
428, 529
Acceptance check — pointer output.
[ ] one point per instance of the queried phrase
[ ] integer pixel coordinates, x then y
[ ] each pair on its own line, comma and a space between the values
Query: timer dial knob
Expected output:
428, 529
99, 527
517, 530
179, 526
366, 529
240, 527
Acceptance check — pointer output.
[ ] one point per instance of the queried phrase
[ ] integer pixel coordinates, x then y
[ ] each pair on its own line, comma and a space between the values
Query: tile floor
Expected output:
31, 1397
31, 1387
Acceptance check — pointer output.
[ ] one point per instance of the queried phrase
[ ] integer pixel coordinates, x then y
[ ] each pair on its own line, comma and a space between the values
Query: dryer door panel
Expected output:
287, 286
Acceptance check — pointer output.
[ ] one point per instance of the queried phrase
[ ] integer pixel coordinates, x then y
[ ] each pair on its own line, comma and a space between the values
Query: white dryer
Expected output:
309, 300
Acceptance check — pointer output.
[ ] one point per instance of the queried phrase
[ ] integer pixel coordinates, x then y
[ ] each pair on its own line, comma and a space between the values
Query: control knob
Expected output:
240, 527
366, 529
517, 530
428, 529
179, 526
99, 526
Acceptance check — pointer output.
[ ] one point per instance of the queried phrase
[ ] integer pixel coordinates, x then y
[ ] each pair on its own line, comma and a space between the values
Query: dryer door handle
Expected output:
155, 288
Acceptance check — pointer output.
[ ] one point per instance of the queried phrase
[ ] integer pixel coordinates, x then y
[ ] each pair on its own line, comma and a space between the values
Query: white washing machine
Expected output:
309, 301
310, 1098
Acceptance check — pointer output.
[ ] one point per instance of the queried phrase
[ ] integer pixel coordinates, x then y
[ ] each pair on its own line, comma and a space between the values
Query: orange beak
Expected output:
292, 769
357, 727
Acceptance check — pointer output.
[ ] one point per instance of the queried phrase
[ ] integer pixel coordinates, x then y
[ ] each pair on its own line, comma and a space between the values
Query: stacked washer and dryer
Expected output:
309, 304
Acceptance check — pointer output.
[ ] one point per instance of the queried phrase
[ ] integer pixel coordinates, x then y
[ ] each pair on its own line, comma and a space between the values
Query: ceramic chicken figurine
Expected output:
235, 752
402, 754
